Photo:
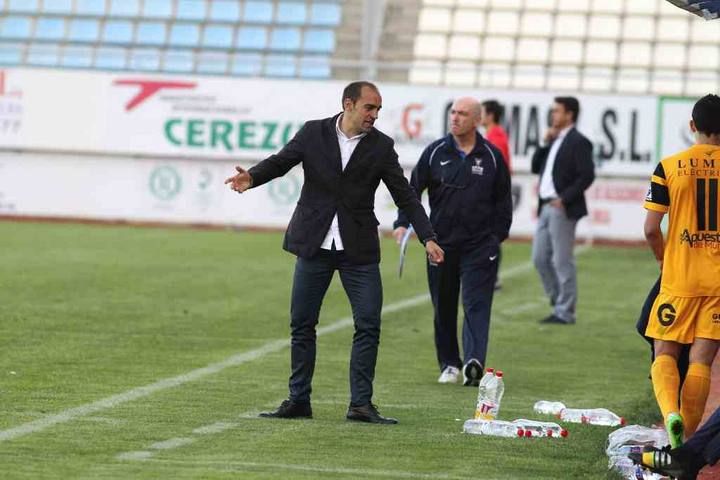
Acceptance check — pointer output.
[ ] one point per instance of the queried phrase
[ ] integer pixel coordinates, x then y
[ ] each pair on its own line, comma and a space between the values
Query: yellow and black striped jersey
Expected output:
686, 186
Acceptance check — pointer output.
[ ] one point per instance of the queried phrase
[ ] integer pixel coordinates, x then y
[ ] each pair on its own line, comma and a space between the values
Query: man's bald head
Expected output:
465, 115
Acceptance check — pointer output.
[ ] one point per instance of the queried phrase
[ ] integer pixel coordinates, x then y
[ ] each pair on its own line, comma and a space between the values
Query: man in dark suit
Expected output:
566, 170
344, 158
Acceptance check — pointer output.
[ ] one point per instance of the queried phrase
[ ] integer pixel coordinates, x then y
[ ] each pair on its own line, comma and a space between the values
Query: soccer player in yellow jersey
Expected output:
687, 310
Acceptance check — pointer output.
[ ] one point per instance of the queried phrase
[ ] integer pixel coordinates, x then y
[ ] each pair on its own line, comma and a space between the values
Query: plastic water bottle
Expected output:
533, 428
593, 416
482, 397
489, 398
495, 428
547, 407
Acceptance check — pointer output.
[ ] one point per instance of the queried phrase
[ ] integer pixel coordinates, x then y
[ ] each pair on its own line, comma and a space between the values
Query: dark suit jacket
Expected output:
350, 193
573, 171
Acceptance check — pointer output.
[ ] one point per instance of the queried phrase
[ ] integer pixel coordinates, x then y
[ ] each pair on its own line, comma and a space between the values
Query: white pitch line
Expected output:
233, 361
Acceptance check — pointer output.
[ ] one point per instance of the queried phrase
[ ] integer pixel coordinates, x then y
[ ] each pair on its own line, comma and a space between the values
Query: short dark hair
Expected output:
354, 90
706, 114
570, 104
494, 108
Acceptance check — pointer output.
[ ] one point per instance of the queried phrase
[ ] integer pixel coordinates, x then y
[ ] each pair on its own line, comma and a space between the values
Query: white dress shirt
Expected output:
547, 187
347, 147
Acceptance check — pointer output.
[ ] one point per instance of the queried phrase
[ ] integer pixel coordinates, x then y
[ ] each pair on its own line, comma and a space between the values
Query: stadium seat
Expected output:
83, 30
464, 47
63, 7
536, 24
461, 74
178, 61
293, 13
601, 53
570, 25
15, 27
258, 12
124, 8
144, 59
77, 57
111, 58
117, 32
43, 55
604, 26
218, 36
468, 21
251, 38
225, 11
10, 53
157, 8
503, 22
285, 39
638, 28
704, 57
319, 40
49, 28
184, 34
23, 6
213, 62
327, 14
314, 67
191, 10
247, 64
635, 54
434, 20
430, 45
151, 33
90, 7
280, 66
533, 50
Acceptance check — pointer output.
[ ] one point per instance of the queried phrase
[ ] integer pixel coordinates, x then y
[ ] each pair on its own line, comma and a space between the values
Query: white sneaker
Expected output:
449, 375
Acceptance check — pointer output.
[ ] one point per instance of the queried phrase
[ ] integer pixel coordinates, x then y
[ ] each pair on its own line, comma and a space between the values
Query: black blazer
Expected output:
573, 171
328, 189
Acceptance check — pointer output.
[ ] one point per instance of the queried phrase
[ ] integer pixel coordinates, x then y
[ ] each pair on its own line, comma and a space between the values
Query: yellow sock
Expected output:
666, 383
694, 393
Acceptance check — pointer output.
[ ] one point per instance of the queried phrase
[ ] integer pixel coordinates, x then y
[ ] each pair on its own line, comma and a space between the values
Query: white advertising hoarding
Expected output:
231, 118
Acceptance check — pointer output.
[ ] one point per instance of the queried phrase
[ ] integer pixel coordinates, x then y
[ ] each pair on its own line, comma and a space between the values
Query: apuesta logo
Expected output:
148, 88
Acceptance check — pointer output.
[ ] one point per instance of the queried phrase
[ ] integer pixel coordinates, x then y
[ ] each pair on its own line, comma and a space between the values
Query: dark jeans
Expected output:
363, 287
475, 270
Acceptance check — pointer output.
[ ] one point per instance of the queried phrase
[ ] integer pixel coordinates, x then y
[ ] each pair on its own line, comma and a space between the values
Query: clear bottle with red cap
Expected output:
533, 428
592, 416
490, 395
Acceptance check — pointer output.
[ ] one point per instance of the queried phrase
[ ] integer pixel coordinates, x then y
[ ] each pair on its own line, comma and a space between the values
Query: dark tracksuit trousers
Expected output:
474, 269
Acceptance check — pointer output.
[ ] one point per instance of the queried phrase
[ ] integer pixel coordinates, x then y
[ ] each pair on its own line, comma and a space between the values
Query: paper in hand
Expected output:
403, 249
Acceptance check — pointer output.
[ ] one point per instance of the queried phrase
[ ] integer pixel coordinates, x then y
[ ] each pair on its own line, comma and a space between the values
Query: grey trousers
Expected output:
554, 259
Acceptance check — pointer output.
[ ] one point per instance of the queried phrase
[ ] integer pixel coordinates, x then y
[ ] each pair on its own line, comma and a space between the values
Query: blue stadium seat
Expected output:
57, 6
247, 64
117, 31
15, 27
225, 10
213, 62
178, 61
191, 9
77, 57
258, 12
251, 38
82, 30
124, 8
285, 39
29, 6
291, 12
184, 34
90, 7
49, 28
110, 58
280, 66
220, 36
322, 13
151, 33
316, 40
43, 55
157, 8
144, 59
10, 53
314, 67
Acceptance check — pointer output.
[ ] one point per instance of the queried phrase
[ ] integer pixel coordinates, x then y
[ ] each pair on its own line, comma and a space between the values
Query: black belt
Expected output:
543, 201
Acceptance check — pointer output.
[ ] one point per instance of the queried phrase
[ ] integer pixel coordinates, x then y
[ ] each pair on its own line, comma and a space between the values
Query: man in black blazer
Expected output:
334, 227
566, 170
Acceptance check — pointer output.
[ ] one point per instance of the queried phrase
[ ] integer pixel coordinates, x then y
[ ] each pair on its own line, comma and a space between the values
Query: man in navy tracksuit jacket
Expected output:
470, 210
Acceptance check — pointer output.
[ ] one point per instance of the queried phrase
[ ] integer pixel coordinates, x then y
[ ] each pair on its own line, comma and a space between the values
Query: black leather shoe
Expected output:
368, 414
290, 409
556, 320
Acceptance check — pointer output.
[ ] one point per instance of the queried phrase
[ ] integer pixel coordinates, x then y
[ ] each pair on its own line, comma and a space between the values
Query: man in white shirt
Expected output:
566, 170
334, 228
